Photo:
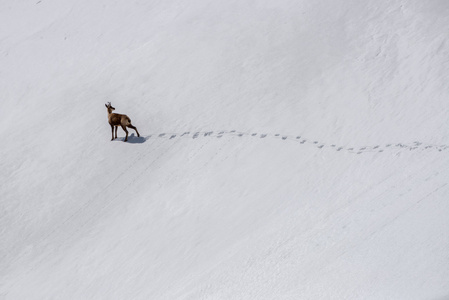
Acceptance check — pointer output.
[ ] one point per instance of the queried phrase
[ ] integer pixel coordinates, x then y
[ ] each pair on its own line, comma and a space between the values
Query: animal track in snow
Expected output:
357, 150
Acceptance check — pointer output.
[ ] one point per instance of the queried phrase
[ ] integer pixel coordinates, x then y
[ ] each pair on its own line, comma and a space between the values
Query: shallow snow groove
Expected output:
83, 216
296, 138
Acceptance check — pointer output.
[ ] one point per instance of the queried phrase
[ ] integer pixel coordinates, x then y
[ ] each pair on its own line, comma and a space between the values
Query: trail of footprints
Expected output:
302, 140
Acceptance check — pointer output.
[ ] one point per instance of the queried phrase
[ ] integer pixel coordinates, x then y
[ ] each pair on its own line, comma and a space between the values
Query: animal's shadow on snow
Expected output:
132, 139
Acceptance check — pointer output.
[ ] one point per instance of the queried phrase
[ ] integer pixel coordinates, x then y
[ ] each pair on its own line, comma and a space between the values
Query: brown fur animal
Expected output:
116, 120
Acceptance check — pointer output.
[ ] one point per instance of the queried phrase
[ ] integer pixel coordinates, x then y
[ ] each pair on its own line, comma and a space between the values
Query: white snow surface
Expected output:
289, 149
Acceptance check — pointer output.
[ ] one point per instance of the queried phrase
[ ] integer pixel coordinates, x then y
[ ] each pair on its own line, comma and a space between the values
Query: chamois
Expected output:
116, 120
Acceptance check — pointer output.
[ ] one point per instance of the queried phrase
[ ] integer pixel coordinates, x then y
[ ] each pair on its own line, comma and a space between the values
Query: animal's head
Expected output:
109, 107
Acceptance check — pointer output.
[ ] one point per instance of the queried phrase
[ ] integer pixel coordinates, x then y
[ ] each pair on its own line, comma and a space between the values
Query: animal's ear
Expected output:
105, 105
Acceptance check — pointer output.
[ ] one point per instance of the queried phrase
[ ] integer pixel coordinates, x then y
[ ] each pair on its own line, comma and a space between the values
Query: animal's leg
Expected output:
124, 128
133, 127
116, 127
112, 128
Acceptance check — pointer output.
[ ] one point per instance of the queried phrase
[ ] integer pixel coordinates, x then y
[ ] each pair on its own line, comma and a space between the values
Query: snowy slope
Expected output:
289, 150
